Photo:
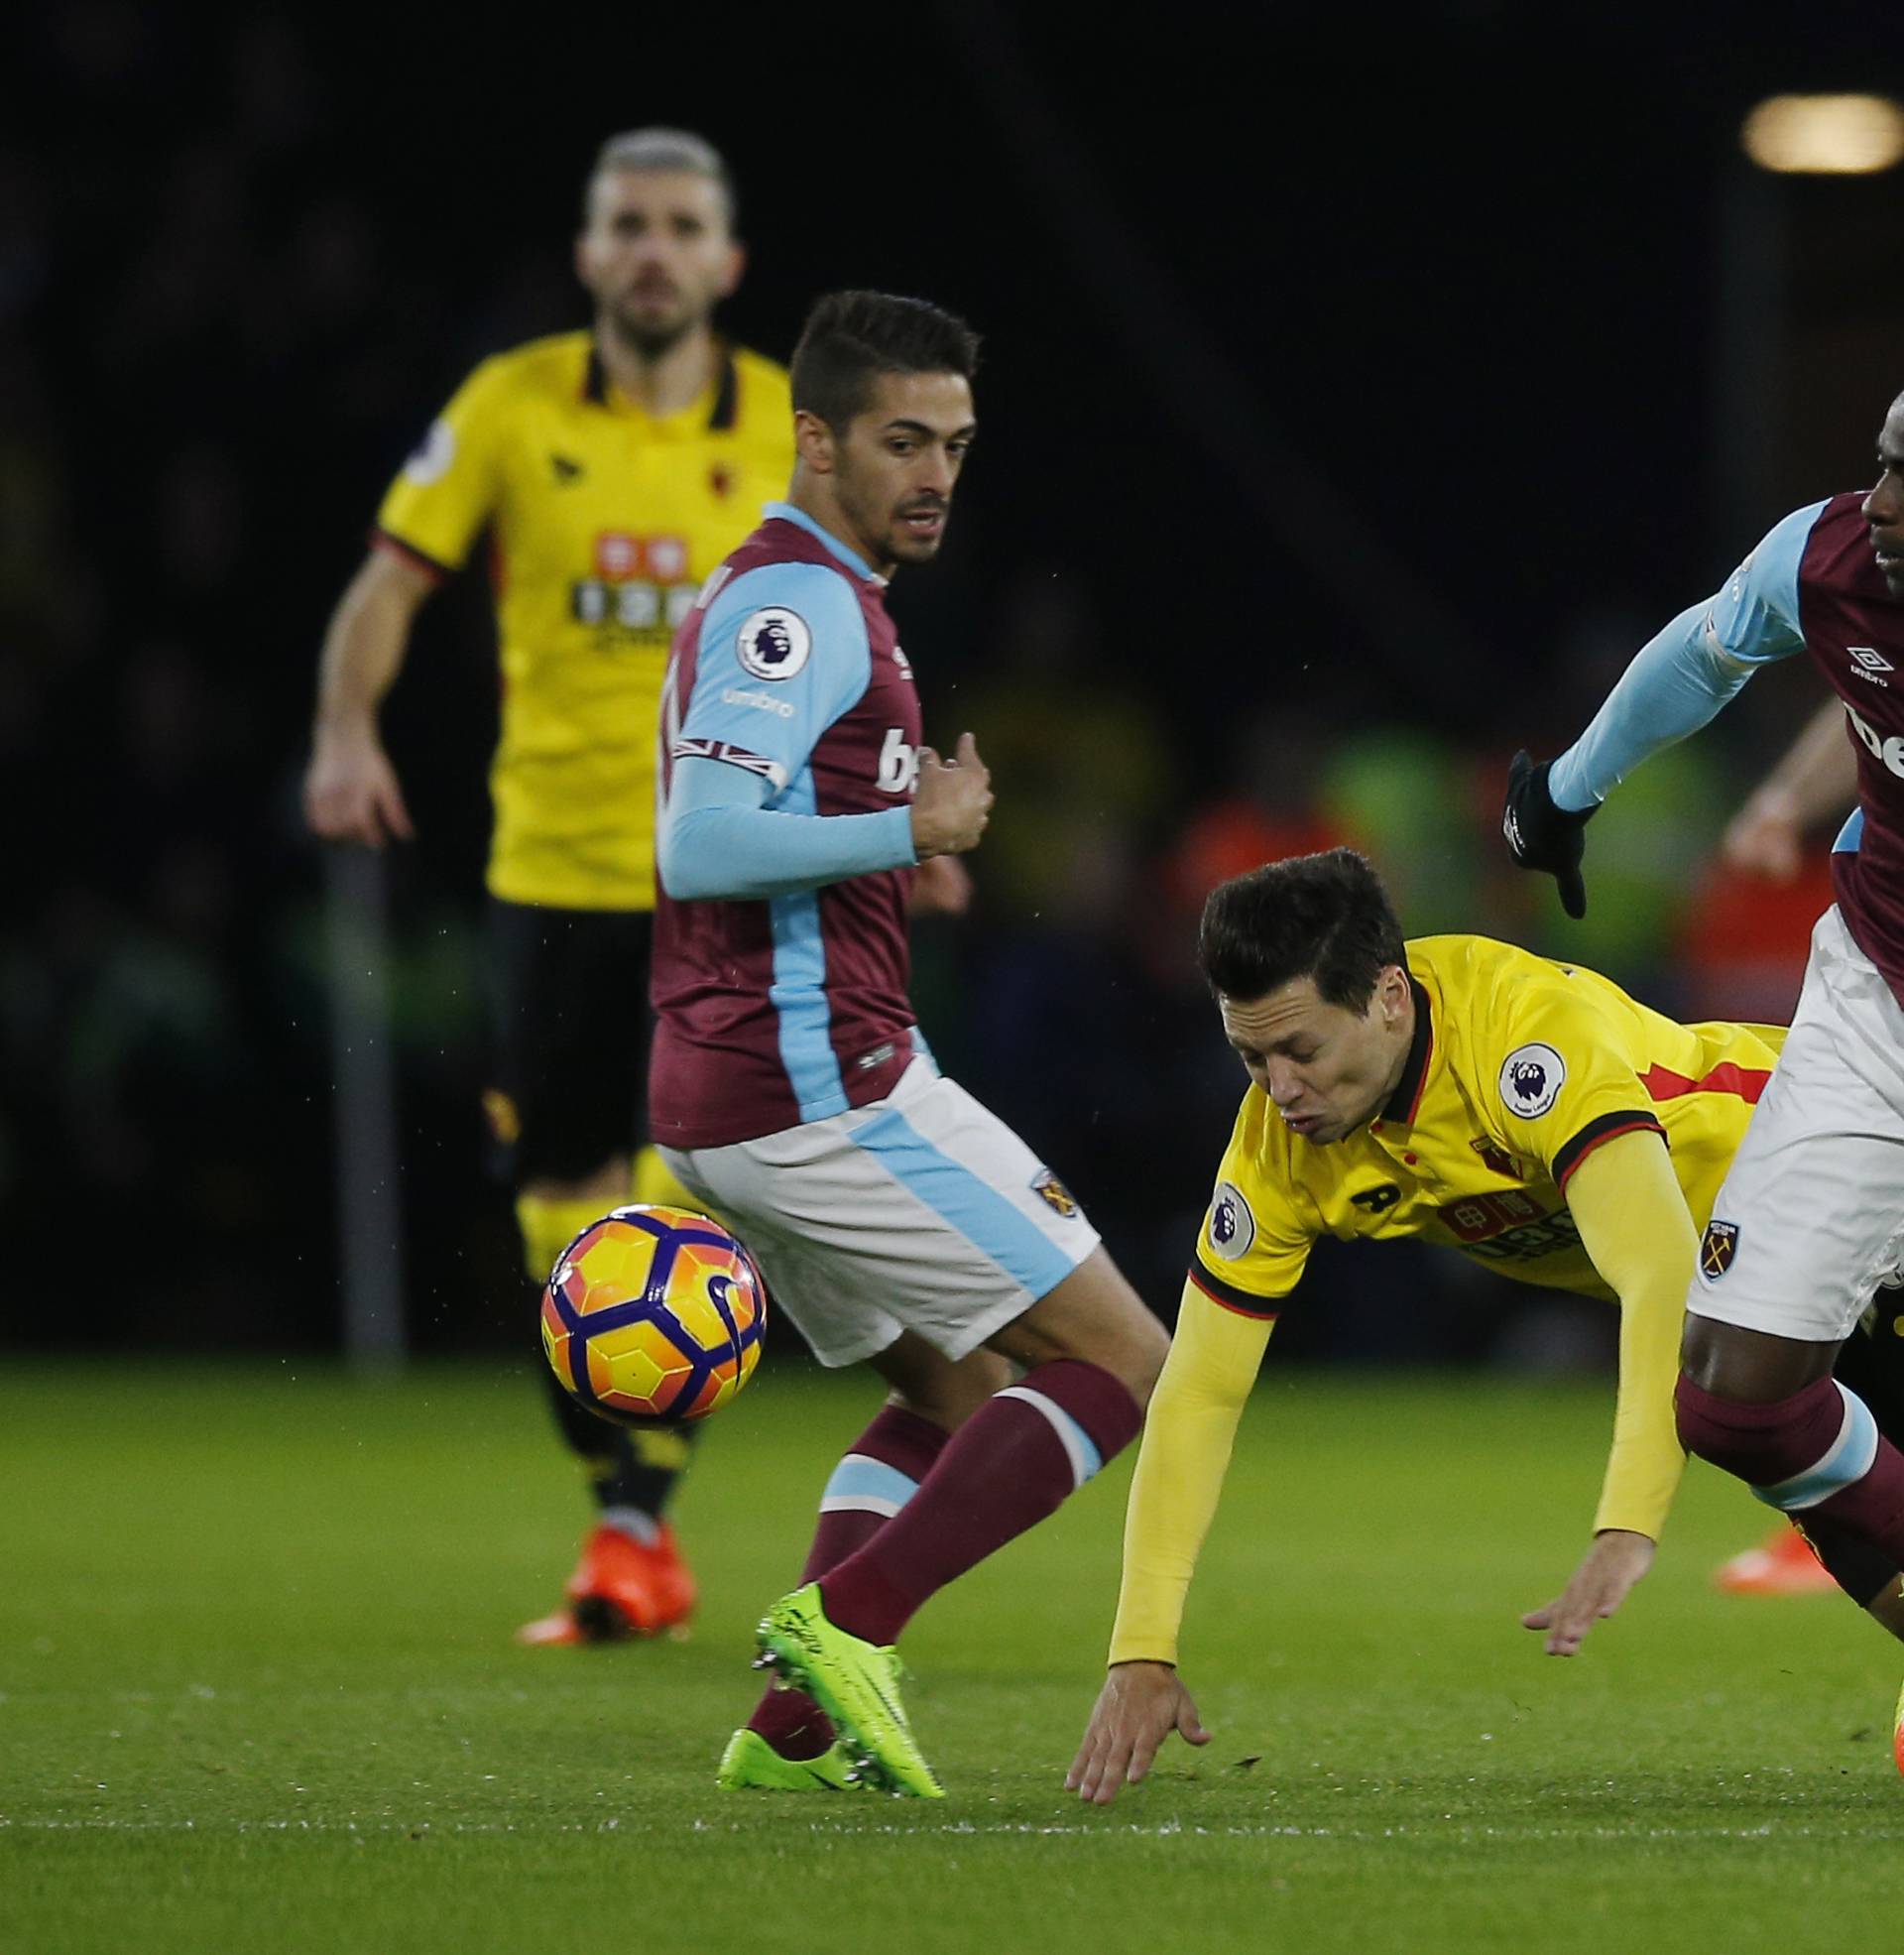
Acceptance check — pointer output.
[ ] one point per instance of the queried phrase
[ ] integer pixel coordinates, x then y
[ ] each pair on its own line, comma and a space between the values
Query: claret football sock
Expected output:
878, 1476
1818, 1453
879, 1472
1013, 1462
793, 1724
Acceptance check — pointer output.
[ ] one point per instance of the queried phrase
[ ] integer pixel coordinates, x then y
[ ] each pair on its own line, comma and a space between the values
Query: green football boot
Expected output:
751, 1763
855, 1682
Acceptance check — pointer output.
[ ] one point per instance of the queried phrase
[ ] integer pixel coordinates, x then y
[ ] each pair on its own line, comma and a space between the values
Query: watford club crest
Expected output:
1717, 1250
1055, 1196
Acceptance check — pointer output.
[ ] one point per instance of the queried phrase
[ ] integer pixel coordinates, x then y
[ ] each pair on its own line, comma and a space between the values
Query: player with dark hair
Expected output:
1462, 1091
1808, 1227
898, 1222
611, 469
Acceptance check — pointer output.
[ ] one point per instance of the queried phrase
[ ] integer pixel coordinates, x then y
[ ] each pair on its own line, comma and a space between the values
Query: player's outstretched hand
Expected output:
1543, 835
1766, 837
952, 802
1613, 1563
351, 793
1138, 1707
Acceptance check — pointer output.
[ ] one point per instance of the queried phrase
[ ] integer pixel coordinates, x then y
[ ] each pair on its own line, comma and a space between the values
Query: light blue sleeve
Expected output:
1680, 678
719, 841
783, 654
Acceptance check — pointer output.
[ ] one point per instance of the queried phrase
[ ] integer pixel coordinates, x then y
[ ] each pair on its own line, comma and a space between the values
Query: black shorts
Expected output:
569, 1015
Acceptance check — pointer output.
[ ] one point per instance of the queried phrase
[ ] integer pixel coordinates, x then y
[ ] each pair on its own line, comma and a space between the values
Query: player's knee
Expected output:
1149, 1347
1132, 1351
1750, 1366
950, 1397
1093, 1317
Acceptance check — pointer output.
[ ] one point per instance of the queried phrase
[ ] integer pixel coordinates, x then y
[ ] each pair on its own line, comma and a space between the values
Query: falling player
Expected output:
899, 1223
612, 468
1459, 1090
1810, 1221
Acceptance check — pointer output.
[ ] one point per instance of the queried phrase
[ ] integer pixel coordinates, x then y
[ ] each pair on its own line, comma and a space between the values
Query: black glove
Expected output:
1542, 835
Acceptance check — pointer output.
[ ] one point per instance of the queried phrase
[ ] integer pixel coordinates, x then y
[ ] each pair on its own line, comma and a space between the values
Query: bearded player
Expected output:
1809, 1222
899, 1223
611, 469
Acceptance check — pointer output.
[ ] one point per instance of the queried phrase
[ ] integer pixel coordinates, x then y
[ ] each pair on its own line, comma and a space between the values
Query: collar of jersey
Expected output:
786, 512
711, 411
1406, 1100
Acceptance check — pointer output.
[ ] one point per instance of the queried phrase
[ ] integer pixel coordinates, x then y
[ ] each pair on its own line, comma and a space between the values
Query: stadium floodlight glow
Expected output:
1825, 135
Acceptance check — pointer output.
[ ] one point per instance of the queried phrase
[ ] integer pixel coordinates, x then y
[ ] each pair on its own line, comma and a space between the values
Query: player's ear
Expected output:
734, 271
1394, 995
813, 441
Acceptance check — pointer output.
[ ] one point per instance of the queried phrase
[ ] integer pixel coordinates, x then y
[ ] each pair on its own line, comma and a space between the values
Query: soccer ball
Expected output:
654, 1315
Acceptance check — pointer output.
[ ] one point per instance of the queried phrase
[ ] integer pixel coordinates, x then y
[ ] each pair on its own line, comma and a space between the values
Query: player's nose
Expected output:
935, 471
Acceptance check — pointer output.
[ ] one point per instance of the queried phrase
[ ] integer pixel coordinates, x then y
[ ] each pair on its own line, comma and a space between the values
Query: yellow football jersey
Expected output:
603, 522
1518, 1069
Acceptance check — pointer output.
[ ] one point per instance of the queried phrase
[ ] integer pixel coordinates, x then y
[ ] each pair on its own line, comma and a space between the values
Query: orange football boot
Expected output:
621, 1588
1782, 1564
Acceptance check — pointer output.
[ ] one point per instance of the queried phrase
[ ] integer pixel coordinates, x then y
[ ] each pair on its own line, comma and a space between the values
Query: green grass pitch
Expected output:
258, 1693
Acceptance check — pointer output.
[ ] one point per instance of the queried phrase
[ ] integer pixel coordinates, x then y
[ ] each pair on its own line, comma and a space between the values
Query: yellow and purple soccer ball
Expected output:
654, 1315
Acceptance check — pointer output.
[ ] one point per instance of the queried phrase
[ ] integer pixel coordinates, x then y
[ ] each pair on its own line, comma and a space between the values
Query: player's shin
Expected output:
1016, 1460
1817, 1452
876, 1477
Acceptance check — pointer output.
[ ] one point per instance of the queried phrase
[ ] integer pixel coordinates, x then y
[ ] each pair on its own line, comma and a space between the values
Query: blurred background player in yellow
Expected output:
1467, 1092
611, 469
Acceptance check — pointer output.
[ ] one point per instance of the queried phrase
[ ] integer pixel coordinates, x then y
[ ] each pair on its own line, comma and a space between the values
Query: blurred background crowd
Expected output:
1352, 413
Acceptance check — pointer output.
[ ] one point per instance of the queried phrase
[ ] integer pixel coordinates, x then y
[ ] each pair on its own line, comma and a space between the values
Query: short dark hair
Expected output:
852, 336
1320, 916
658, 148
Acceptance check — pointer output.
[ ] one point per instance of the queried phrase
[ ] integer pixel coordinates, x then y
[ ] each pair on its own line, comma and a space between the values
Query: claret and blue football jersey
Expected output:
1812, 585
793, 1007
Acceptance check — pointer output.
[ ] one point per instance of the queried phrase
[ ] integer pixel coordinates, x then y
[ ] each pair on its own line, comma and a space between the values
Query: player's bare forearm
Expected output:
351, 791
1138, 1707
364, 646
1816, 779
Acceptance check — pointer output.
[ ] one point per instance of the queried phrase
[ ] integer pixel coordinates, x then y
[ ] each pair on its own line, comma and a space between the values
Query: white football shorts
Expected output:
1810, 1220
922, 1211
